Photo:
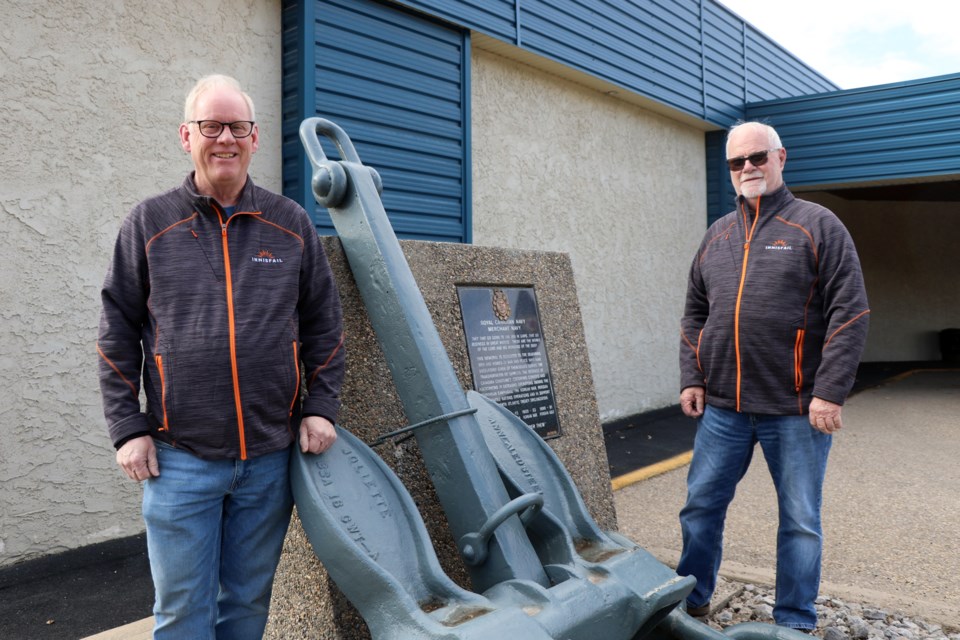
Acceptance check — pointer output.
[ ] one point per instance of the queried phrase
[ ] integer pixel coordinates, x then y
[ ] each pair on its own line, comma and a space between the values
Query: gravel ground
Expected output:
837, 620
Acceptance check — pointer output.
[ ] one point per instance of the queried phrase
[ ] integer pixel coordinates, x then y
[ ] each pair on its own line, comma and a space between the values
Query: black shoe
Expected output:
699, 612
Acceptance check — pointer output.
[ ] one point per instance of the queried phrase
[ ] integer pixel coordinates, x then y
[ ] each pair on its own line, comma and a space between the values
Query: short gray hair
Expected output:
213, 81
773, 138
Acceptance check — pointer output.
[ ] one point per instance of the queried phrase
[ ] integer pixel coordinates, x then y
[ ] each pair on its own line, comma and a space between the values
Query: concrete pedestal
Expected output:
306, 604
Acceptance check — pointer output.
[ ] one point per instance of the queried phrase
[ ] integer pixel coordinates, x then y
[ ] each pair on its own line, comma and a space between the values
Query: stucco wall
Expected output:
91, 98
910, 267
560, 167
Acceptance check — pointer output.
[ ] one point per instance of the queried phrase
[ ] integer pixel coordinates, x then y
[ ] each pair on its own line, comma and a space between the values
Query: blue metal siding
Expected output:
902, 130
721, 197
296, 21
724, 66
496, 18
693, 55
635, 49
395, 81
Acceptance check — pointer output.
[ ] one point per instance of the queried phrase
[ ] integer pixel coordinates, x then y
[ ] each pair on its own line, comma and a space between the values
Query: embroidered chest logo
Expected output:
266, 257
779, 245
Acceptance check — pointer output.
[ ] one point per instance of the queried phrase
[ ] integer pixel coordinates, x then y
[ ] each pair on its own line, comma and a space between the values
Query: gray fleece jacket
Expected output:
776, 310
216, 315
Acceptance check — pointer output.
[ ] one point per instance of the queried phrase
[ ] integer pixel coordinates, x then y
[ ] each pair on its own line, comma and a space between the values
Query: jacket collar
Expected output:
208, 204
769, 202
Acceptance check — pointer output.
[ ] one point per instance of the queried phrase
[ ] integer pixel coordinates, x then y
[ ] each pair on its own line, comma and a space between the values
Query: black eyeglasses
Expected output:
757, 159
213, 129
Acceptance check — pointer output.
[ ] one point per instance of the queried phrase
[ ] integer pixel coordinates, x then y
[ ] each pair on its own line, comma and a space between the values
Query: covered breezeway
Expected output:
906, 236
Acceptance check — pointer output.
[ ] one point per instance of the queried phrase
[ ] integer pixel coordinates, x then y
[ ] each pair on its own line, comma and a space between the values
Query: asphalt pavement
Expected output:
76, 593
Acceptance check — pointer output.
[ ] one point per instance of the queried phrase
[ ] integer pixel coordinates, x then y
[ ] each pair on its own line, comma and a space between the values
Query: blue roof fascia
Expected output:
900, 130
694, 56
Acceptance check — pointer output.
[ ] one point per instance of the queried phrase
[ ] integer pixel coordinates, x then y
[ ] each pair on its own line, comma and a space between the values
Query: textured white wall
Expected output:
91, 97
910, 267
90, 100
561, 167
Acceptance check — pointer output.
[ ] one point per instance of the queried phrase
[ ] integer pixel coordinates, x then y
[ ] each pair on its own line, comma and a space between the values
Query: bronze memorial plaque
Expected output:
508, 357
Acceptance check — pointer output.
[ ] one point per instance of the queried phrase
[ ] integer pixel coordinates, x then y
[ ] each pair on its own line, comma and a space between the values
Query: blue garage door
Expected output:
398, 84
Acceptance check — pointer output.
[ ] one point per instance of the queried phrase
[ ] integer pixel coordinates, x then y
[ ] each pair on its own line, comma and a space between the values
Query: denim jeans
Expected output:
796, 455
215, 530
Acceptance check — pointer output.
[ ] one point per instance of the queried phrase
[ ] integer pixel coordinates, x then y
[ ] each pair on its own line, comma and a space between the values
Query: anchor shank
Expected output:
461, 467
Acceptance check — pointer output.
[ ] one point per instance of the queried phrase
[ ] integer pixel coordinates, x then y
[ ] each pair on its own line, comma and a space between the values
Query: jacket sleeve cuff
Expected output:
694, 380
324, 407
830, 395
128, 428
319, 415
124, 440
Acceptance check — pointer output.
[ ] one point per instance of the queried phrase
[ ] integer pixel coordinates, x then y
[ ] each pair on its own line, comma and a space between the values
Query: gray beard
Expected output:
754, 189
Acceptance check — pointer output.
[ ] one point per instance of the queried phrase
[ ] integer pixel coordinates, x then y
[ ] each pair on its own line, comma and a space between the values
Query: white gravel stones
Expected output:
837, 619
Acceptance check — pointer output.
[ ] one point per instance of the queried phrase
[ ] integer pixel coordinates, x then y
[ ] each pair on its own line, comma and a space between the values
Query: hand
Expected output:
316, 434
825, 416
138, 458
692, 401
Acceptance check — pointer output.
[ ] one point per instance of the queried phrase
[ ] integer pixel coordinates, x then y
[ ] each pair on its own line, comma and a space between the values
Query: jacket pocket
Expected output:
270, 381
165, 425
697, 352
798, 360
296, 386
717, 359
197, 399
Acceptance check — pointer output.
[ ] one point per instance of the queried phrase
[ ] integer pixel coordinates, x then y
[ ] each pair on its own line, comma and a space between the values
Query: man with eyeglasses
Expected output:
773, 329
217, 297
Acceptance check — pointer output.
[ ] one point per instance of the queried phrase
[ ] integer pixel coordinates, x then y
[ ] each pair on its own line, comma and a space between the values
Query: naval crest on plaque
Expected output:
501, 305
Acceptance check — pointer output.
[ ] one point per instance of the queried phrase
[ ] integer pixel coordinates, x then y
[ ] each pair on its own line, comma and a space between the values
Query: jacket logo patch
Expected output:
779, 245
266, 257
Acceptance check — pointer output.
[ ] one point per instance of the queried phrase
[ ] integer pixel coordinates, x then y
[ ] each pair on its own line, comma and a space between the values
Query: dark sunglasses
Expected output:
757, 159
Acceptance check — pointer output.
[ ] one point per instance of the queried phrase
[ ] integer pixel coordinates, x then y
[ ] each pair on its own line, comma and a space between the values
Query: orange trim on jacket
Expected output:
785, 286
216, 303
748, 235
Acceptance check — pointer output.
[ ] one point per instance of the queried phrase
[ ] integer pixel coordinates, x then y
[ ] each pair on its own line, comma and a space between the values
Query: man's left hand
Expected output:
825, 416
316, 434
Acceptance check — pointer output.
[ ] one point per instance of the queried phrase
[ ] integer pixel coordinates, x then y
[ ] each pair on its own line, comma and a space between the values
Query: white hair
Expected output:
773, 138
213, 81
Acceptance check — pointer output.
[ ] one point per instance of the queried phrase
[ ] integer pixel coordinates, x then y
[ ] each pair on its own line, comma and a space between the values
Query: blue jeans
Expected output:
796, 455
215, 530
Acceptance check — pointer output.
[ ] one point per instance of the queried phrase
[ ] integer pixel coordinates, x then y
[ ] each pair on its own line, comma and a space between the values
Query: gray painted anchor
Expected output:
538, 563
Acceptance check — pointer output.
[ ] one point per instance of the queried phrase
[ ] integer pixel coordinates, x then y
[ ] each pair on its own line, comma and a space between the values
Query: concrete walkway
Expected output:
139, 630
891, 504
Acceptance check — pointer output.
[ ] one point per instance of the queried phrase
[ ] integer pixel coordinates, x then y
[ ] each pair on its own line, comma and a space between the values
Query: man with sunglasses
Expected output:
218, 295
772, 332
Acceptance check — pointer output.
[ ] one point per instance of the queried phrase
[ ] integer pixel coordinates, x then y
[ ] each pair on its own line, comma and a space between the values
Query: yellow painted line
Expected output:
903, 376
650, 471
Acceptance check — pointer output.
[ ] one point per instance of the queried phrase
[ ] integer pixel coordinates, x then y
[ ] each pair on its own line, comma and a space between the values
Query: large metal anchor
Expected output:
538, 563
